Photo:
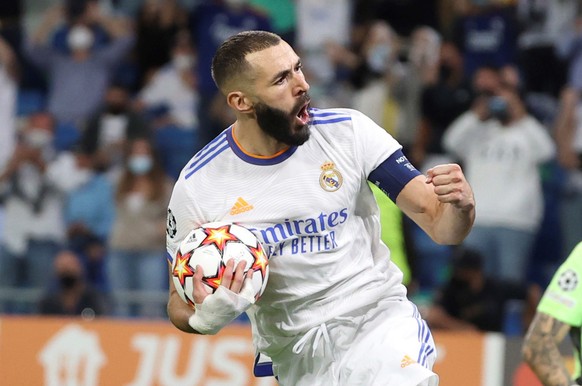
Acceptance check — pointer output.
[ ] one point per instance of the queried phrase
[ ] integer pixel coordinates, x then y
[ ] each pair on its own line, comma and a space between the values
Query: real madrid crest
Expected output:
330, 179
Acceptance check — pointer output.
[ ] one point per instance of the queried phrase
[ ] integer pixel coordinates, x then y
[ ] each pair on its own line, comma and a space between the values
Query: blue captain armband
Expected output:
392, 175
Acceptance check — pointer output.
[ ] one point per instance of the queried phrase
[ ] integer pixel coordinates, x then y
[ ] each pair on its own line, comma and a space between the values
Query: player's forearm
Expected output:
179, 314
454, 224
547, 363
540, 350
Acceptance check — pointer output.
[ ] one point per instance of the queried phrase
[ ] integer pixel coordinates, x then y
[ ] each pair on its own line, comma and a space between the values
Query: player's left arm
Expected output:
236, 294
178, 311
540, 350
441, 203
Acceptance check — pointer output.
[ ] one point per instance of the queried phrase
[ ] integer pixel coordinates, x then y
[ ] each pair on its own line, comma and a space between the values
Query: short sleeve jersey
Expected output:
312, 208
563, 298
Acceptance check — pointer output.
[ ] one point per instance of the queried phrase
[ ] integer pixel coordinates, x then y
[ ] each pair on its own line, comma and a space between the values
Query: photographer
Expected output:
502, 147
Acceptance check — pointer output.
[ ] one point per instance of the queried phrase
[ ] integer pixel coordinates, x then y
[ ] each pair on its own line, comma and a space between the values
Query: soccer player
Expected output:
334, 311
559, 313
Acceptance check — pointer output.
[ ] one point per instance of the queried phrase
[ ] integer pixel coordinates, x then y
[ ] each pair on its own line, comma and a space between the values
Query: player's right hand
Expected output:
233, 279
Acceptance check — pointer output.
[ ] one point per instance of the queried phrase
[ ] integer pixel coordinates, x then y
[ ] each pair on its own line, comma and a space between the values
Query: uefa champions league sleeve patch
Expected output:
568, 280
171, 228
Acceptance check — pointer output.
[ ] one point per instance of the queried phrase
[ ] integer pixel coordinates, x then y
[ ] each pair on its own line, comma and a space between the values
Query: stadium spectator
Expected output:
472, 300
136, 244
440, 104
107, 131
78, 79
420, 70
175, 85
157, 25
30, 183
80, 12
72, 294
376, 74
89, 215
502, 148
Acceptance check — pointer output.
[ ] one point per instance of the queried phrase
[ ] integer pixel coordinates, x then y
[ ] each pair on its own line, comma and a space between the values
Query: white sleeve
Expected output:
543, 145
183, 216
373, 144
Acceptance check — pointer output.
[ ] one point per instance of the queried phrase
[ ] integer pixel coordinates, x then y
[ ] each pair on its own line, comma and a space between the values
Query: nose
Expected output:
301, 85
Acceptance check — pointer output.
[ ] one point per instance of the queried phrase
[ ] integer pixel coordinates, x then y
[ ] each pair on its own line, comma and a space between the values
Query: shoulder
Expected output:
336, 118
531, 124
213, 155
337, 125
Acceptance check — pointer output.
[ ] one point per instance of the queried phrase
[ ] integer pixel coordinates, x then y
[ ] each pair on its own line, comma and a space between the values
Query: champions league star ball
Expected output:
211, 246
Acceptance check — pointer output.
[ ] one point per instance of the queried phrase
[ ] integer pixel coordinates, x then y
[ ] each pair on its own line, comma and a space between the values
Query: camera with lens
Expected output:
498, 108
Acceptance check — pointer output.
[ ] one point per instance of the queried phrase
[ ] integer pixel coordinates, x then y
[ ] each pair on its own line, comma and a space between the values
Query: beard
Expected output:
281, 125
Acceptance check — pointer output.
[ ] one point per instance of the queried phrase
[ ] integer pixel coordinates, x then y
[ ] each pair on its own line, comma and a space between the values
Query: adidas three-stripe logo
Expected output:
240, 206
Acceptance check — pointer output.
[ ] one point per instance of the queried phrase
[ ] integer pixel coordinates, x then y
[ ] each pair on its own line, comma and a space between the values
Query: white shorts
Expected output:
383, 345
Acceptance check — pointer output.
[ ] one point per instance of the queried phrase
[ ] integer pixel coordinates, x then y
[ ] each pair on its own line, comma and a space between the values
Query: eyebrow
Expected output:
284, 73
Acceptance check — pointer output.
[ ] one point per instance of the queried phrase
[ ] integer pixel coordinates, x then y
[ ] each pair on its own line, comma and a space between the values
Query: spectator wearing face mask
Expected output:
136, 261
71, 295
78, 79
85, 12
33, 201
502, 148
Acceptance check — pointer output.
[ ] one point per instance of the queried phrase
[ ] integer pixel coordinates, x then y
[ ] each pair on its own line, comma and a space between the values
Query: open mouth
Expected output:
303, 114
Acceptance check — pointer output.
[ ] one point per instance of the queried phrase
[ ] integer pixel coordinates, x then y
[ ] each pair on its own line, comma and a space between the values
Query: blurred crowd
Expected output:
103, 101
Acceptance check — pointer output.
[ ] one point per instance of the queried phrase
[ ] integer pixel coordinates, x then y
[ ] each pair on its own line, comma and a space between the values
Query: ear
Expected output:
238, 101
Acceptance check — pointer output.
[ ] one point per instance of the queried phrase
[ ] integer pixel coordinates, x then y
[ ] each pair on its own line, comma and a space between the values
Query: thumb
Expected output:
429, 175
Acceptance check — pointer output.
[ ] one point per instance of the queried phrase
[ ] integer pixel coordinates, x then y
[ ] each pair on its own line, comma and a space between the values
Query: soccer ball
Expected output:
211, 246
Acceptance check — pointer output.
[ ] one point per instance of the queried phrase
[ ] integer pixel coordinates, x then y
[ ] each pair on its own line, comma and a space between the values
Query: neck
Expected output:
253, 141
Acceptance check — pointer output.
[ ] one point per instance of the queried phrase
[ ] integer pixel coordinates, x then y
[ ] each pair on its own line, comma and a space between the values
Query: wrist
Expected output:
219, 309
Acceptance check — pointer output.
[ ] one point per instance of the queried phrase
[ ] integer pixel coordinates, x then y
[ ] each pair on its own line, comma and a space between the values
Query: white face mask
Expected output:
378, 57
140, 164
38, 138
80, 38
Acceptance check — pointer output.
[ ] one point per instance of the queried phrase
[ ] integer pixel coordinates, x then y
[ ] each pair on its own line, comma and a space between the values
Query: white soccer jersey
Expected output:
313, 209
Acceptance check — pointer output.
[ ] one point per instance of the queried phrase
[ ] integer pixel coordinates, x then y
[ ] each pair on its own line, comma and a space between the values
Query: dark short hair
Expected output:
467, 258
230, 58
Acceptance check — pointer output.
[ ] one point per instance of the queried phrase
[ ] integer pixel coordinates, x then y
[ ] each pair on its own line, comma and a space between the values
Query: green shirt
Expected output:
563, 299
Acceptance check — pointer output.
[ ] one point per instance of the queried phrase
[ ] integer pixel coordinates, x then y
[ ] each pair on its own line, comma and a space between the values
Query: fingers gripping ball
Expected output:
211, 246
